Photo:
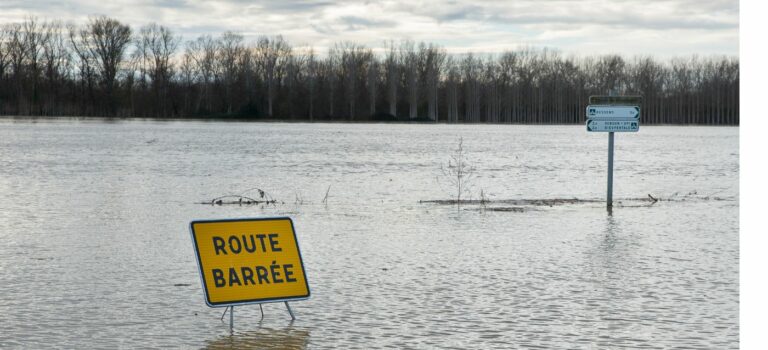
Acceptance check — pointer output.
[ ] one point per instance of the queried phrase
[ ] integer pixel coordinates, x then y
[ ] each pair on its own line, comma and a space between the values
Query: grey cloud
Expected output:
177, 4
197, 30
624, 21
278, 6
441, 11
358, 22
709, 6
461, 12
323, 29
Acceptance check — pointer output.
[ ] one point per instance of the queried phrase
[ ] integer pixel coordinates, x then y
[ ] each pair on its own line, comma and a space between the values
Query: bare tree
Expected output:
471, 68
227, 59
508, 78
312, 73
186, 81
202, 52
56, 62
35, 37
433, 61
459, 172
410, 59
453, 80
272, 54
392, 66
295, 67
353, 60
156, 45
330, 72
372, 84
490, 79
4, 50
106, 40
17, 54
609, 73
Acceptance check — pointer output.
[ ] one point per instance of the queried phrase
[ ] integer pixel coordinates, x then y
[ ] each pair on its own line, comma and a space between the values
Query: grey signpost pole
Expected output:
609, 195
609, 200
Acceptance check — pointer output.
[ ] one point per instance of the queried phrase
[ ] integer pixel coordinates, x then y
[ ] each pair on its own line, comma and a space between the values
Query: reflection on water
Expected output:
288, 338
96, 251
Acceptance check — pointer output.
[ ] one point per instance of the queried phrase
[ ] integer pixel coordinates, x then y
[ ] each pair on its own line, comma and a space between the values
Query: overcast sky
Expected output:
630, 27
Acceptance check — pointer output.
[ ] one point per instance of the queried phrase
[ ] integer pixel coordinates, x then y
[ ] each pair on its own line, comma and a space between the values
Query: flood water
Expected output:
96, 251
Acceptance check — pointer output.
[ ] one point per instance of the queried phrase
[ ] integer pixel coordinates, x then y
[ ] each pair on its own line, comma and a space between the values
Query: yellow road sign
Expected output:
245, 261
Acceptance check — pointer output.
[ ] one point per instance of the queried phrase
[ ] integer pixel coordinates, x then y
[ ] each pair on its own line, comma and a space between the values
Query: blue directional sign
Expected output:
613, 112
616, 125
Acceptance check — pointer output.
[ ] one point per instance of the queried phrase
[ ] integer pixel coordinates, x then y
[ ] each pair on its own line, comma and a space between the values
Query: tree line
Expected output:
105, 68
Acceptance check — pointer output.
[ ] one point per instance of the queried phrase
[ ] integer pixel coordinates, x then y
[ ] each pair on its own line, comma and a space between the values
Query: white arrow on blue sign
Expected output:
602, 125
613, 112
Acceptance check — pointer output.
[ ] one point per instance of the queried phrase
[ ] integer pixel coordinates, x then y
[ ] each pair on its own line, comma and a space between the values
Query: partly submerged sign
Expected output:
612, 125
245, 261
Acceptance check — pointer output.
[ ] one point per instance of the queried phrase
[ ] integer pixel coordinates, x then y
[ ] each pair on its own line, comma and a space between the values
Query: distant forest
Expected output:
105, 68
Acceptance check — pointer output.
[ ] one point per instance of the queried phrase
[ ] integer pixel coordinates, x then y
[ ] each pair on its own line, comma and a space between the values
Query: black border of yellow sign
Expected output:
250, 301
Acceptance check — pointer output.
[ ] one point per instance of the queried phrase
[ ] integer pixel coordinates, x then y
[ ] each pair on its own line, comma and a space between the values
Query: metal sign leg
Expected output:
231, 318
290, 311
609, 199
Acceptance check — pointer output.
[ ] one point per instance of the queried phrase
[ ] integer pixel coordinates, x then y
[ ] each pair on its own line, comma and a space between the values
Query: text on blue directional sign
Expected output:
613, 112
596, 125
